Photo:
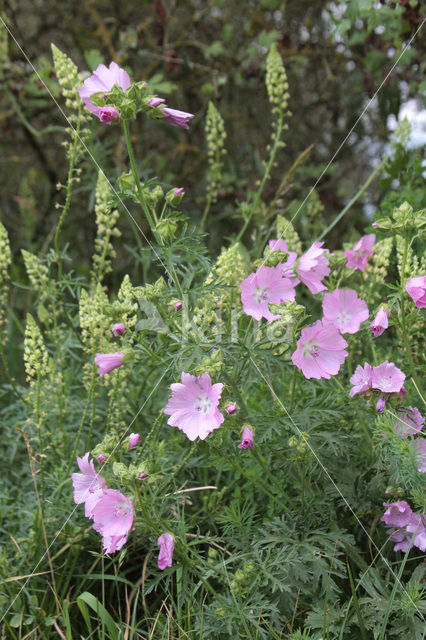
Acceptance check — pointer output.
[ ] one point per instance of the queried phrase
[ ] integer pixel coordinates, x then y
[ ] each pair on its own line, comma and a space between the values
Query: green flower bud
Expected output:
271, 258
166, 228
385, 224
293, 442
126, 182
174, 196
240, 576
153, 196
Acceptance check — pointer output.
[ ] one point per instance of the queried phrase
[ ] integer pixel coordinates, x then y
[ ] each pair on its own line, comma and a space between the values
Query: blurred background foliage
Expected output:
195, 51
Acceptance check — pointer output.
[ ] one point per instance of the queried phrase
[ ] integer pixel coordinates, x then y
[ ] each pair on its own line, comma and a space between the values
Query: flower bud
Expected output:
174, 196
231, 408
166, 228
133, 440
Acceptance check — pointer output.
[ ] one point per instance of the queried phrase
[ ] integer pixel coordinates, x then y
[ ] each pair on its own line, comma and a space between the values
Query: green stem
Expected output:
303, 484
83, 419
176, 471
144, 204
403, 320
65, 209
352, 201
149, 436
136, 177
259, 192
38, 427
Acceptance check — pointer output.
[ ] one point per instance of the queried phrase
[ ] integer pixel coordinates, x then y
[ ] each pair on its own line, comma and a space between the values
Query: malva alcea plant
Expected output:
164, 421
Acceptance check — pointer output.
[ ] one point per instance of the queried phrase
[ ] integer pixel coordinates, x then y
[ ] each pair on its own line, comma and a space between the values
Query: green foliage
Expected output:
283, 539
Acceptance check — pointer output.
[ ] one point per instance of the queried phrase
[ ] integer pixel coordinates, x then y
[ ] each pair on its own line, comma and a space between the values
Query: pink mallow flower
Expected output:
88, 485
176, 118
111, 544
313, 267
380, 322
397, 514
387, 377
418, 447
358, 256
410, 422
118, 329
361, 379
133, 440
416, 288
113, 514
247, 440
265, 286
107, 362
281, 245
101, 457
193, 406
407, 528
345, 310
416, 526
166, 543
103, 79
320, 351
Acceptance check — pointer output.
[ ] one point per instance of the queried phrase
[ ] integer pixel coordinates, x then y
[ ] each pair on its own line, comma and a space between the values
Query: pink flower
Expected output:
358, 256
167, 545
345, 310
380, 322
417, 527
88, 485
361, 379
265, 286
100, 458
155, 102
179, 191
313, 267
133, 440
107, 362
178, 305
397, 514
320, 351
111, 544
418, 447
108, 114
247, 440
281, 245
411, 533
193, 406
103, 79
118, 329
113, 514
416, 288
176, 118
410, 422
387, 377
231, 408
380, 405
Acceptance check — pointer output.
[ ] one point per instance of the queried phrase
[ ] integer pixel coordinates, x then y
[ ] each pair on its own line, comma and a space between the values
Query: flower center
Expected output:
385, 382
311, 349
261, 295
203, 404
343, 317
122, 510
